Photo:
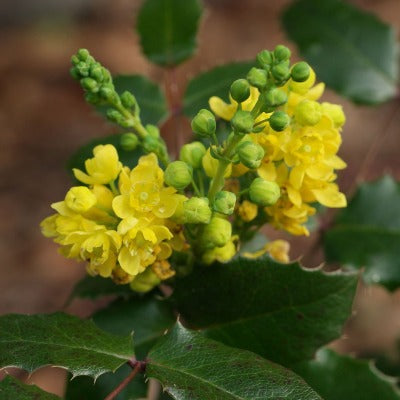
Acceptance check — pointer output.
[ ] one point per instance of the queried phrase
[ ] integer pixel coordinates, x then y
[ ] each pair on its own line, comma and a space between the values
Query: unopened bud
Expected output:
128, 99
221, 254
153, 131
129, 141
178, 175
151, 144
242, 122
108, 93
197, 211
264, 193
80, 199
240, 90
300, 71
250, 154
281, 53
114, 116
193, 153
82, 68
90, 85
275, 97
83, 54
308, 112
217, 233
279, 120
204, 123
281, 72
264, 59
224, 202
257, 77
335, 113
145, 281
96, 72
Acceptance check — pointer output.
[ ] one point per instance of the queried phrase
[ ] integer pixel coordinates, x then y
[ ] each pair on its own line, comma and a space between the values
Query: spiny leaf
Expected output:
30, 342
192, 367
281, 311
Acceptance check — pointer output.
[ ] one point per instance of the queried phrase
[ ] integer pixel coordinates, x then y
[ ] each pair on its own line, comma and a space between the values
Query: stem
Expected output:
195, 187
138, 366
114, 188
201, 182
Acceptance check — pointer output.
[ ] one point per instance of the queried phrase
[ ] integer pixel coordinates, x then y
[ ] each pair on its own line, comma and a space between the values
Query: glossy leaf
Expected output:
192, 367
13, 389
367, 233
336, 376
215, 82
168, 29
30, 342
280, 311
351, 50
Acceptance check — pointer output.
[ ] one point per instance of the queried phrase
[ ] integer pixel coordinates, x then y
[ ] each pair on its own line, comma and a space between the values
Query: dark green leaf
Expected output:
150, 97
13, 389
215, 82
192, 367
351, 50
280, 311
168, 29
336, 376
367, 233
30, 342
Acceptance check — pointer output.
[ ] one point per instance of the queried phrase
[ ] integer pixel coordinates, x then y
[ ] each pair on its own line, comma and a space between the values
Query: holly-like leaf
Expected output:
30, 342
281, 311
351, 50
13, 389
215, 82
168, 29
192, 367
367, 233
336, 376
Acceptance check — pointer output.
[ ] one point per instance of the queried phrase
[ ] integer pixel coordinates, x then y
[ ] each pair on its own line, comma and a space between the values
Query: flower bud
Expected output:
264, 59
221, 254
204, 123
150, 144
335, 113
242, 121
279, 120
153, 131
224, 202
217, 233
90, 84
275, 97
82, 68
129, 141
250, 154
264, 193
248, 211
178, 175
281, 72
281, 53
145, 281
300, 71
197, 211
83, 54
240, 90
257, 77
80, 199
115, 116
308, 112
108, 93
128, 99
192, 154
96, 72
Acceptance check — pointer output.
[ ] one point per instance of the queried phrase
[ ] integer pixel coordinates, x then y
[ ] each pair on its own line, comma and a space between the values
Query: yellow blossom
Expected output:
247, 211
277, 249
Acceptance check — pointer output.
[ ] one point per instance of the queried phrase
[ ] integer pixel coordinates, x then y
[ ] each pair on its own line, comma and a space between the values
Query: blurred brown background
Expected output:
44, 119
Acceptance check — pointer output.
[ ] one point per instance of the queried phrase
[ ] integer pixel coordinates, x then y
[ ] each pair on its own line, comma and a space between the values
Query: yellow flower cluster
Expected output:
302, 158
119, 230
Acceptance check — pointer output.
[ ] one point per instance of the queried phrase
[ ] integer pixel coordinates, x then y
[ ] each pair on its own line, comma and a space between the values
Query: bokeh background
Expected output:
44, 119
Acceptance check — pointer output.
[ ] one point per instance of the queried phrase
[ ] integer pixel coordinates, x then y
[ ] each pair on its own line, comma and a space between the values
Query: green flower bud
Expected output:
178, 175
92, 98
197, 211
250, 154
108, 94
145, 281
217, 233
240, 90
75, 73
281, 72
275, 97
82, 68
282, 53
153, 131
308, 112
90, 85
96, 72
129, 141
300, 71
192, 154
75, 60
151, 144
257, 77
83, 54
264, 193
264, 59
279, 120
115, 116
224, 202
242, 122
128, 99
204, 123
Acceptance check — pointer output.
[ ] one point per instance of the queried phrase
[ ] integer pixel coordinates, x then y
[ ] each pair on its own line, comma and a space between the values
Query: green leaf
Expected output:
367, 233
13, 389
336, 376
351, 50
168, 29
280, 311
192, 367
30, 342
215, 82
150, 97
148, 317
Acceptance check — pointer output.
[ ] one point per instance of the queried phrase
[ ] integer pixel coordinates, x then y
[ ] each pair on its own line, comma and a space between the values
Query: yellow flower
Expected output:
277, 249
221, 254
103, 168
210, 165
247, 211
